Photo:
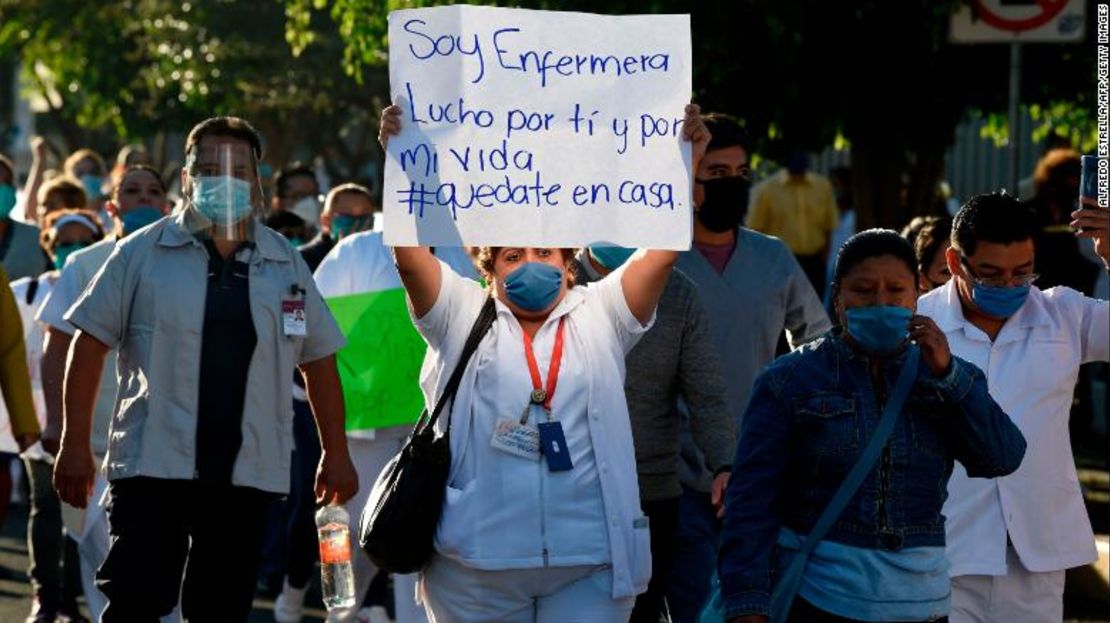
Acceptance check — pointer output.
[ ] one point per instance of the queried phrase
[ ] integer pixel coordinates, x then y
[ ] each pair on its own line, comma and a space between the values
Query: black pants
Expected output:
651, 606
301, 545
804, 612
156, 525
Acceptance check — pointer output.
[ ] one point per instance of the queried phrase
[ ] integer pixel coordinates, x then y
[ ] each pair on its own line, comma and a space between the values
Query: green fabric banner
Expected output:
380, 366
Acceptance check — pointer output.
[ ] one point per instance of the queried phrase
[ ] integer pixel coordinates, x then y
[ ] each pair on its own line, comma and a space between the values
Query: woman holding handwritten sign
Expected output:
542, 518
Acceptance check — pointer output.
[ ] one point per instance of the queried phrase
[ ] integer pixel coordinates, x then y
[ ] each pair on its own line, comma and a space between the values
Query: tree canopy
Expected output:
878, 75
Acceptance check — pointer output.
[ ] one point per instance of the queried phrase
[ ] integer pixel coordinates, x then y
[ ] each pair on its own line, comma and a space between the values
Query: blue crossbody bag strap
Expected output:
786, 586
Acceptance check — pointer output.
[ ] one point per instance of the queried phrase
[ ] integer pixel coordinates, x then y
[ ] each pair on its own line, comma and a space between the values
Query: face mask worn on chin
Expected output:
139, 217
7, 200
1000, 302
725, 203
611, 258
878, 329
222, 199
534, 286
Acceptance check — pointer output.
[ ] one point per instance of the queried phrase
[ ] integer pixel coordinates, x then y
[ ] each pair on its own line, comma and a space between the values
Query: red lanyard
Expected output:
539, 395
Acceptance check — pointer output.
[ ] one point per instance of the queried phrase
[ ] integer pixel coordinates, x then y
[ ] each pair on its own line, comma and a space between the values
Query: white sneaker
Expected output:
289, 605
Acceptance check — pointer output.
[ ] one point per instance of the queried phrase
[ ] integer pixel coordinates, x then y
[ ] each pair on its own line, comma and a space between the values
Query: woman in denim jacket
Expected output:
811, 415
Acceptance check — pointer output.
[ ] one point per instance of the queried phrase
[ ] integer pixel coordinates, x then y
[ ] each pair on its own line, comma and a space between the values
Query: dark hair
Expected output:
995, 217
930, 238
232, 127
1054, 168
911, 230
726, 132
283, 220
68, 190
484, 258
873, 243
297, 169
128, 170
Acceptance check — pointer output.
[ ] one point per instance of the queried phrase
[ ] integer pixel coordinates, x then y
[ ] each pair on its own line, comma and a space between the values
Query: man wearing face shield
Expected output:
752, 289
1011, 539
211, 312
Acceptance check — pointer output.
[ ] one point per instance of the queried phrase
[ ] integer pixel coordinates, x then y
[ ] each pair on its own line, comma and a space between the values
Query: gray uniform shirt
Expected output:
148, 301
674, 360
762, 291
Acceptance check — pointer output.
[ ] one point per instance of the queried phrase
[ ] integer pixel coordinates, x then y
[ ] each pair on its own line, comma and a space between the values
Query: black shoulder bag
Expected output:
399, 522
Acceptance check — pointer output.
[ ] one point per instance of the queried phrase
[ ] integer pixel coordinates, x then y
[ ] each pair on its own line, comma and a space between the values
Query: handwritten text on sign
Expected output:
537, 128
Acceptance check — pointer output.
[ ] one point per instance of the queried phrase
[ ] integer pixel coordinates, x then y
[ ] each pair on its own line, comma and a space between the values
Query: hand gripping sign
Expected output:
538, 128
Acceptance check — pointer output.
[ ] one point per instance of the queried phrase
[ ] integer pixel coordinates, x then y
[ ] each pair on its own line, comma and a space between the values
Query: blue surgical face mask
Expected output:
7, 200
139, 217
1000, 302
343, 225
534, 286
222, 199
63, 251
878, 329
94, 186
611, 258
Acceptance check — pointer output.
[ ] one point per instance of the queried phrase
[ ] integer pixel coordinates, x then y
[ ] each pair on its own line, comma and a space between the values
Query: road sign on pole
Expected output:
1017, 22
1025, 21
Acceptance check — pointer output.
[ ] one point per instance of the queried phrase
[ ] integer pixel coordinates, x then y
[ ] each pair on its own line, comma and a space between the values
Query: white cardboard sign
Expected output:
538, 128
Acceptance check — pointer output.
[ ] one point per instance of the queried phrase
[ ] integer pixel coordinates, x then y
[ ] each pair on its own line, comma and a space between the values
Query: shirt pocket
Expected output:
828, 423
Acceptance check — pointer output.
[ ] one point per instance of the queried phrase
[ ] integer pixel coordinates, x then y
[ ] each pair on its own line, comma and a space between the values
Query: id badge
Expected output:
517, 439
554, 445
292, 316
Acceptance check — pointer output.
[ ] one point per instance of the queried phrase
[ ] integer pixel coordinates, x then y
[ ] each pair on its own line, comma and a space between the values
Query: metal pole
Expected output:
1015, 121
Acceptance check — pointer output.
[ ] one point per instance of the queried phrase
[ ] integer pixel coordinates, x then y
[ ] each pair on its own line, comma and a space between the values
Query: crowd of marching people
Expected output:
791, 421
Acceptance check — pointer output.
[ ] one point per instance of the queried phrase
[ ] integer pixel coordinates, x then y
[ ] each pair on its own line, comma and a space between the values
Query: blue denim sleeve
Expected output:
984, 439
753, 513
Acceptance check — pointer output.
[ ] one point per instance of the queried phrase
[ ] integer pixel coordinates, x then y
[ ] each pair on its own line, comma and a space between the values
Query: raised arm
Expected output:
34, 180
418, 268
420, 274
644, 279
646, 275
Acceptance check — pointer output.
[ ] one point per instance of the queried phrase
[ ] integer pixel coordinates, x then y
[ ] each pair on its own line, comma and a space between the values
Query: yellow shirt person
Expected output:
798, 209
15, 382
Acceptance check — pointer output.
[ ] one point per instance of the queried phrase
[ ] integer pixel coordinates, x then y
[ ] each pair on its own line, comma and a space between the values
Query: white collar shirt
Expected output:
600, 330
1031, 368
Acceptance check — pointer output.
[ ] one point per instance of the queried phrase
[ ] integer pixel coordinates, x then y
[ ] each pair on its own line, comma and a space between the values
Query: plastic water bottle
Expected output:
337, 578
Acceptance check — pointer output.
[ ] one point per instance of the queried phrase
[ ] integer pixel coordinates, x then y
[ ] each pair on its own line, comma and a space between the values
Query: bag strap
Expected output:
481, 326
32, 290
787, 586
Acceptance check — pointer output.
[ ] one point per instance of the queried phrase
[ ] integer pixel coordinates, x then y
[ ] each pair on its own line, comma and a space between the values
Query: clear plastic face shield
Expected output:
223, 192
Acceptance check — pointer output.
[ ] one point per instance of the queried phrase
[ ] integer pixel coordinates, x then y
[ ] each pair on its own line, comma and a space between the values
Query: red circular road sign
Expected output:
1048, 9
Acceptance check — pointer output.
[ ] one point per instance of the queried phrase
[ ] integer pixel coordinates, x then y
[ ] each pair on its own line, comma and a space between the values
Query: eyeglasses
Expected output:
1016, 281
